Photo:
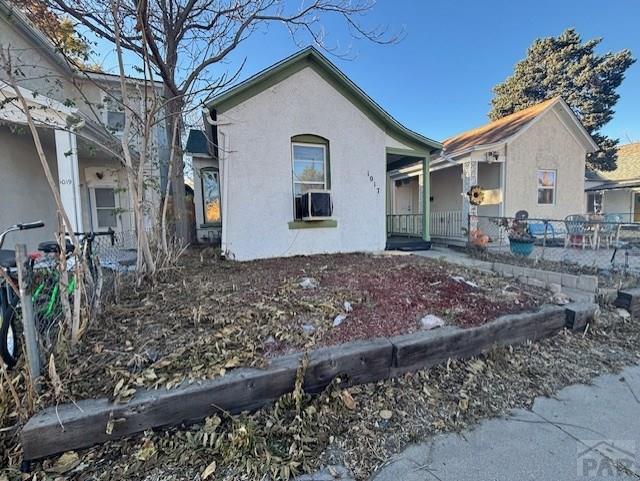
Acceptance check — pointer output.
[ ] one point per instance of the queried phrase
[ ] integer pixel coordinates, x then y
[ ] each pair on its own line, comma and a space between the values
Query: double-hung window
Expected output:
105, 208
546, 180
309, 170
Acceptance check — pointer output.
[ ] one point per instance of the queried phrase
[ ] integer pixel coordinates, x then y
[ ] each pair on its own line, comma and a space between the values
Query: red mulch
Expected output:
395, 300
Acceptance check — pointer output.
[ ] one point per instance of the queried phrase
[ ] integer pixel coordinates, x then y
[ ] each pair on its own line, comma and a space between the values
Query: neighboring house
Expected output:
531, 160
206, 188
299, 126
618, 191
92, 182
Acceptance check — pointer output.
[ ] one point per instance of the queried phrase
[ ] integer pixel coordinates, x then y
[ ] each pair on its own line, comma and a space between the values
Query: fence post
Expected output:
28, 318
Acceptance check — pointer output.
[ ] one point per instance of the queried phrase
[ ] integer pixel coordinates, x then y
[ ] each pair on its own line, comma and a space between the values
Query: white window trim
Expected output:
554, 188
94, 209
324, 161
293, 176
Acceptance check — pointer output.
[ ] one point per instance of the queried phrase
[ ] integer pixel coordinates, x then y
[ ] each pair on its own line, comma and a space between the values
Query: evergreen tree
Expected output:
568, 67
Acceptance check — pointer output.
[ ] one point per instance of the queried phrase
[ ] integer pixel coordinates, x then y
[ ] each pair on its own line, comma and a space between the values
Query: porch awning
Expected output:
45, 111
49, 113
633, 184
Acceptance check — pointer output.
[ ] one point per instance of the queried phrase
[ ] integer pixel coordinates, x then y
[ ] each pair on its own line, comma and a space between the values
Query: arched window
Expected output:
310, 166
210, 178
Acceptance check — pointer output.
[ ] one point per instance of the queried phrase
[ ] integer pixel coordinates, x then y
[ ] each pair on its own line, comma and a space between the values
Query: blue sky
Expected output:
438, 79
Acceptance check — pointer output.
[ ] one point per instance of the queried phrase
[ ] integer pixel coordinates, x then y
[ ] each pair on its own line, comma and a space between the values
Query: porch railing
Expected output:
404, 225
448, 224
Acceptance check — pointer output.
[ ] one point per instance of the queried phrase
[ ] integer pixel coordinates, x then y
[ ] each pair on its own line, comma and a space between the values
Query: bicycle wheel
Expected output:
9, 338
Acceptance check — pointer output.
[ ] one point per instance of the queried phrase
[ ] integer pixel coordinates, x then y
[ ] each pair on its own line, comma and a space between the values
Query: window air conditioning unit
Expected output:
316, 205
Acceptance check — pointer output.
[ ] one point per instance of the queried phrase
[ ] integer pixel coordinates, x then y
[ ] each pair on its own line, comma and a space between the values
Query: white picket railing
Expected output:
404, 225
447, 224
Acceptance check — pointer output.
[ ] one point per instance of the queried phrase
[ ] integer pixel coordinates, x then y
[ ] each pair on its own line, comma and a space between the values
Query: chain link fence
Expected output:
597, 243
113, 255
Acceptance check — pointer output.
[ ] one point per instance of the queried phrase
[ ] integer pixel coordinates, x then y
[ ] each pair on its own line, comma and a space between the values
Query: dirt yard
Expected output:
210, 315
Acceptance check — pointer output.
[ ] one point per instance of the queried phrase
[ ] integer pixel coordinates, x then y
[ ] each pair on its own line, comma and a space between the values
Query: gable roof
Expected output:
507, 127
197, 143
627, 166
311, 57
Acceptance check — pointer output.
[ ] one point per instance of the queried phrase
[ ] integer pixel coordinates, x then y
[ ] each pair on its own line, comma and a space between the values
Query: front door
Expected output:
406, 190
636, 207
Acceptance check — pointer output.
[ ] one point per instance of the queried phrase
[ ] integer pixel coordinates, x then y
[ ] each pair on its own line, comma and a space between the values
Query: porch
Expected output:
449, 207
92, 184
407, 219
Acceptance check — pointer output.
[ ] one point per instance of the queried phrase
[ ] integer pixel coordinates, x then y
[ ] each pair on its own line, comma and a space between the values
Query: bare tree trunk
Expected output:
175, 108
146, 263
165, 203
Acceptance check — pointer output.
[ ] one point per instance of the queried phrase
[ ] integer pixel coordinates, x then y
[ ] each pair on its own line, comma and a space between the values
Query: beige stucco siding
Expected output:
547, 144
259, 193
39, 72
619, 202
446, 187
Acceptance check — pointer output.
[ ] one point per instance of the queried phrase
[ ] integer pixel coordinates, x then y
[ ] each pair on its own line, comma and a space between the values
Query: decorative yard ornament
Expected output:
476, 195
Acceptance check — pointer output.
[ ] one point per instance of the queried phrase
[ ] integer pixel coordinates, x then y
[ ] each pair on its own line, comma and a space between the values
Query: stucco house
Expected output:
617, 192
79, 128
531, 160
295, 161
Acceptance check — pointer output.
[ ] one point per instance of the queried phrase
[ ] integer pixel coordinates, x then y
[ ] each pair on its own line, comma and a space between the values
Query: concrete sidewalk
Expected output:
579, 435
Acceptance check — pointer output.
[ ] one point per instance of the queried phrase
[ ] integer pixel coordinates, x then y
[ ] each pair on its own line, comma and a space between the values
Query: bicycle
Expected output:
9, 299
45, 276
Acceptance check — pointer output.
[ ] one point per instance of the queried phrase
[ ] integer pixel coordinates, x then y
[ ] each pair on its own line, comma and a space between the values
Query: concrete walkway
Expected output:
581, 434
454, 257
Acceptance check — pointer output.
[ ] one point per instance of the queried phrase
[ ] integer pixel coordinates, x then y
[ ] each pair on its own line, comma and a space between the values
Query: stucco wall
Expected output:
259, 175
41, 74
24, 192
545, 145
618, 202
446, 186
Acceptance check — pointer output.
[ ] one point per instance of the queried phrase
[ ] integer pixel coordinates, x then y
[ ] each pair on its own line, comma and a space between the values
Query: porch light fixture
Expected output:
492, 156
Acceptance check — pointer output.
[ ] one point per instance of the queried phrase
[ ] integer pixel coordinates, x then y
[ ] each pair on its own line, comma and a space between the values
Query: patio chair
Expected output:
579, 233
542, 229
610, 230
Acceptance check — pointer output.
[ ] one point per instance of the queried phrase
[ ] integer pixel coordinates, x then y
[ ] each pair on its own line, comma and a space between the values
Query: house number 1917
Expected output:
371, 179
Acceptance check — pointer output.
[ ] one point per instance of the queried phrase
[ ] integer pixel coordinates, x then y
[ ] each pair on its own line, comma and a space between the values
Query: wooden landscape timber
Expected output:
629, 299
75, 426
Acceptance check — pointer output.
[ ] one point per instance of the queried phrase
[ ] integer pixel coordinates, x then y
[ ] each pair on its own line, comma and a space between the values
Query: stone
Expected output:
534, 282
347, 306
623, 313
385, 414
309, 283
560, 299
555, 288
430, 321
588, 283
554, 278
339, 319
569, 280
309, 328
540, 275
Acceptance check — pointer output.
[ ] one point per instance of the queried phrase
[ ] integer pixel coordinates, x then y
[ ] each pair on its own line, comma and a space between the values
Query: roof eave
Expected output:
314, 56
34, 35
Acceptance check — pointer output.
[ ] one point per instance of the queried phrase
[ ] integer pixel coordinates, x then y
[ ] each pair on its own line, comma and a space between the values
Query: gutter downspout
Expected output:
223, 166
503, 182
